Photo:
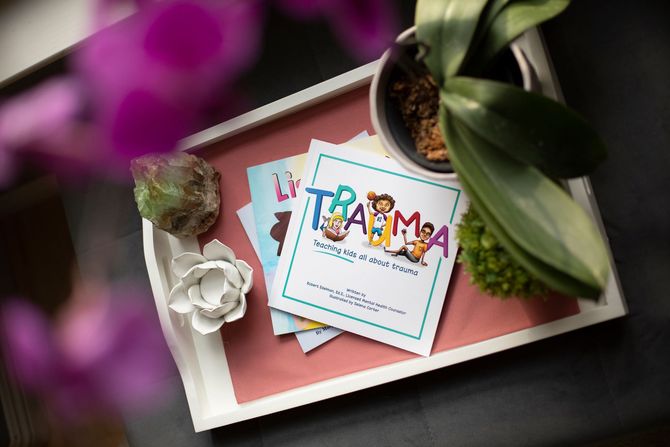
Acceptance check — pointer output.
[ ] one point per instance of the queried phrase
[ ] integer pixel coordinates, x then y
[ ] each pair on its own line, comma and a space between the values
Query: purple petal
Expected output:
183, 35
137, 360
367, 27
106, 353
44, 125
145, 123
153, 76
35, 116
82, 332
28, 344
241, 22
106, 12
7, 166
109, 62
114, 349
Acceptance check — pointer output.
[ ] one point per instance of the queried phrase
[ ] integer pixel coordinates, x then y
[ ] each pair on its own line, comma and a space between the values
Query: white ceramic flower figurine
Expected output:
211, 287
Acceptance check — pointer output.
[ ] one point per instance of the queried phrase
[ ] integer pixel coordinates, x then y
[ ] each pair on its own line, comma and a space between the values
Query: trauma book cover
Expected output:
370, 248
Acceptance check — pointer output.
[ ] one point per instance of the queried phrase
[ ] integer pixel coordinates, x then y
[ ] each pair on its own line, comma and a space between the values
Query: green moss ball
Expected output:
490, 267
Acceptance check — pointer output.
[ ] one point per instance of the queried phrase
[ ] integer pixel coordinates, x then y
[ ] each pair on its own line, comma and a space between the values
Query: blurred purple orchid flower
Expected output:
104, 353
146, 82
42, 124
367, 27
150, 76
138, 86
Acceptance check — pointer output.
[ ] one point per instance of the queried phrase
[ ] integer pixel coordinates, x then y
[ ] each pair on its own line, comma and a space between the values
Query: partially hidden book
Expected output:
274, 187
370, 248
310, 339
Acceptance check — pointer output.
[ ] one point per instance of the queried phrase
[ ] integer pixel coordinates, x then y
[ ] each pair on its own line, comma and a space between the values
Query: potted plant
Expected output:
510, 148
404, 103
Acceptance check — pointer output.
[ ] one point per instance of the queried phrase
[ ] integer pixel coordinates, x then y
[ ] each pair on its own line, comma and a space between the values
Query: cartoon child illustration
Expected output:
420, 245
378, 206
333, 228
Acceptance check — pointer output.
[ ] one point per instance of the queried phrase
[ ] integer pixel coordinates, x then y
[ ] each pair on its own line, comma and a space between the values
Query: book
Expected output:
309, 339
274, 187
370, 248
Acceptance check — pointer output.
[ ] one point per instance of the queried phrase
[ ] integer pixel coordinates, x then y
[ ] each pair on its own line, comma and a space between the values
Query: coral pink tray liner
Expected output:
261, 363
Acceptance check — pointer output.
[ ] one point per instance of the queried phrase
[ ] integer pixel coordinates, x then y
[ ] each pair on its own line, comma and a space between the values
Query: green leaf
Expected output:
531, 216
447, 27
489, 13
553, 278
513, 20
529, 127
495, 6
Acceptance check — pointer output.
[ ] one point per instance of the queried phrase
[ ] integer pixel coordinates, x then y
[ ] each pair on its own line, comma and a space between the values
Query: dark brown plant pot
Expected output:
512, 67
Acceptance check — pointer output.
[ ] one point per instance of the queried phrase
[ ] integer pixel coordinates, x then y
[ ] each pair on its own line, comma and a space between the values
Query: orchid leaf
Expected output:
488, 16
514, 19
537, 221
495, 6
447, 28
550, 276
529, 127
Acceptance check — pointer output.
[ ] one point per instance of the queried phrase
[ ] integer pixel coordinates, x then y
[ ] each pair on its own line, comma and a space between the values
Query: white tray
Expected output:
201, 360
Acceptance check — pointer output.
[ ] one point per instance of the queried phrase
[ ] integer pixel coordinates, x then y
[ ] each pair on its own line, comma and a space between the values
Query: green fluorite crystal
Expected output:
177, 192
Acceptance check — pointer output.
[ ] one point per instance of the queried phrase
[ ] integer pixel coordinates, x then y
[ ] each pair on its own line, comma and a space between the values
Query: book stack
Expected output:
349, 240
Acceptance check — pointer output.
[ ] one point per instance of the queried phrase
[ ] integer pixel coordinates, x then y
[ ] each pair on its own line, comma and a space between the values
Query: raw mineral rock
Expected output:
178, 192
